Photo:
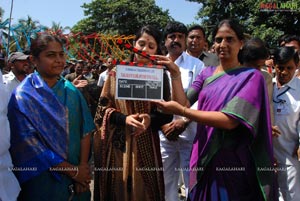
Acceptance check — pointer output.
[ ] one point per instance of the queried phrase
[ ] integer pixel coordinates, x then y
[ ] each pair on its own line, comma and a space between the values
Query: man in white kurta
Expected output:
9, 186
176, 151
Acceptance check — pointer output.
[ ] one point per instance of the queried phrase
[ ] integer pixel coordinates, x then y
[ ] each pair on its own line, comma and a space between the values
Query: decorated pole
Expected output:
9, 25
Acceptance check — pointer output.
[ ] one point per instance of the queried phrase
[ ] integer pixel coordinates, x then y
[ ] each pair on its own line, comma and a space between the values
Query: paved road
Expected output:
181, 196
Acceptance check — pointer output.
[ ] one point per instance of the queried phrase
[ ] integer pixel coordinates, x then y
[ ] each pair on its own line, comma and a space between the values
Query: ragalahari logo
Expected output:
288, 6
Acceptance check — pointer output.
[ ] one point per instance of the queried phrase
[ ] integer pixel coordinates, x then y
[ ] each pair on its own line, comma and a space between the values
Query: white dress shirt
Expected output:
102, 78
190, 67
9, 186
11, 81
286, 102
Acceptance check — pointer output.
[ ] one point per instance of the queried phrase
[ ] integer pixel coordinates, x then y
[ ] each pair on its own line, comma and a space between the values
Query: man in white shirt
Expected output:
286, 140
102, 78
19, 65
9, 186
104, 74
176, 142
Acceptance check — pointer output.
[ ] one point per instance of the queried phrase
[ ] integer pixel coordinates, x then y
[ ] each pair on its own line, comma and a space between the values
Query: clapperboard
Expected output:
139, 82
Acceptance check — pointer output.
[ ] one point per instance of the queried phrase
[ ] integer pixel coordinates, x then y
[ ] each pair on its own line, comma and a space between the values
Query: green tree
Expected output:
58, 29
22, 33
266, 24
120, 16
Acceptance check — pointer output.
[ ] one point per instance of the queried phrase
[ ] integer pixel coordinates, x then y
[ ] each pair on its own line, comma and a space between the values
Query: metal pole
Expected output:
9, 25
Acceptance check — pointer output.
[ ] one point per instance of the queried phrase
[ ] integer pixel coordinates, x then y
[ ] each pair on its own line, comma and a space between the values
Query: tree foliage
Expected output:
57, 28
121, 16
22, 34
266, 24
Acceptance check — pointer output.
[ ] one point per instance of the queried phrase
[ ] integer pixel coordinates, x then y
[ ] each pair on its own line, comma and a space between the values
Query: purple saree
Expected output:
232, 164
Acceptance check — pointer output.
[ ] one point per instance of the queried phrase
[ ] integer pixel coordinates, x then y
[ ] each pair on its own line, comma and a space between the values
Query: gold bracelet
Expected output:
76, 174
183, 111
176, 78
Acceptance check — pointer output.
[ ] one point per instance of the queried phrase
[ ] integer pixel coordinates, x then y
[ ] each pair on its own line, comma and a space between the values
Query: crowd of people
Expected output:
227, 127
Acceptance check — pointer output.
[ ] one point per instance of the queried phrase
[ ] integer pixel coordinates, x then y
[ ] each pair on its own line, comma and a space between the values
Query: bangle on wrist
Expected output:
76, 174
176, 77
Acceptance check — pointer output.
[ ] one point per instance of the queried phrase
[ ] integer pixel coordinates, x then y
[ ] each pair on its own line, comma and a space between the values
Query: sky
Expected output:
69, 12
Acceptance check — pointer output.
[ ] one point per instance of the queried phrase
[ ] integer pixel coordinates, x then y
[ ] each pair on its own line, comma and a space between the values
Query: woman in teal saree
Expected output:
50, 125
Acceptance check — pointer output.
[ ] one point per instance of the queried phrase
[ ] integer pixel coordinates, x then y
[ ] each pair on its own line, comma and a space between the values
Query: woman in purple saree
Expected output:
232, 156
